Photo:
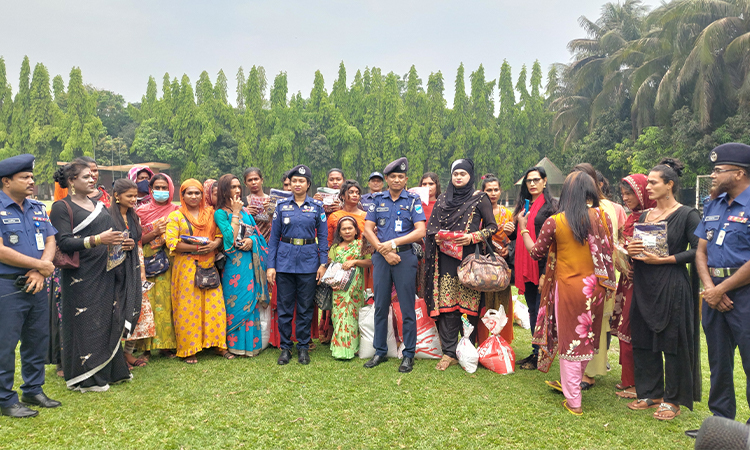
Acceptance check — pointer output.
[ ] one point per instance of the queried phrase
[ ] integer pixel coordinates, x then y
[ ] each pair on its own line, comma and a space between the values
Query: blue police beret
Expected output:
376, 174
732, 153
15, 164
301, 171
400, 165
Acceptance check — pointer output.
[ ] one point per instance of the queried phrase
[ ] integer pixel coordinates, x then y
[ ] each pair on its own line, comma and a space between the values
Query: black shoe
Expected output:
375, 360
526, 359
530, 363
285, 356
304, 356
406, 365
691, 433
585, 386
40, 400
19, 411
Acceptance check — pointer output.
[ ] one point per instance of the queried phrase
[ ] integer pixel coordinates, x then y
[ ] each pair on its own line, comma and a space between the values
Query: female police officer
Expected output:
297, 254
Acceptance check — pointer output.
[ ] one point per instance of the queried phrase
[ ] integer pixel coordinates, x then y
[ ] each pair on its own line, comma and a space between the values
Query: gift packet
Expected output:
653, 236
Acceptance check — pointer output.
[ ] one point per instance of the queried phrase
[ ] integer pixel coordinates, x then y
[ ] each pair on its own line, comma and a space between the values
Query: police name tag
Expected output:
711, 218
382, 209
39, 241
11, 220
287, 208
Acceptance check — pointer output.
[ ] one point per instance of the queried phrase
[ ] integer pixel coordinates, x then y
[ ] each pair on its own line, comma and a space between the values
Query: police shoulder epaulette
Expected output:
283, 200
318, 202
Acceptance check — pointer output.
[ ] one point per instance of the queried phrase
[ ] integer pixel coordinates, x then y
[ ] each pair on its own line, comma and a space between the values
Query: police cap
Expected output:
15, 164
400, 165
301, 171
732, 153
376, 175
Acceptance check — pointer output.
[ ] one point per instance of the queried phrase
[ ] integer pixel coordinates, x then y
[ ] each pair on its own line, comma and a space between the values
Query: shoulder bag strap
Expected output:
190, 227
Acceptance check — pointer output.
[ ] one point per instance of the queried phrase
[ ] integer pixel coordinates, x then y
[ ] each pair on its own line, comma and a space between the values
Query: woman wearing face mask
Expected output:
154, 218
466, 210
432, 181
140, 175
131, 271
97, 310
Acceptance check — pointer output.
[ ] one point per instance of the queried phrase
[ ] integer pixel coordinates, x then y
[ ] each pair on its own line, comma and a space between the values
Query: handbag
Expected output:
205, 277
324, 297
337, 278
484, 273
64, 260
156, 264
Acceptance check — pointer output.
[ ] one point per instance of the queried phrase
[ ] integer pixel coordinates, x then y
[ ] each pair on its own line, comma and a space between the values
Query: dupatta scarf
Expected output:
526, 268
203, 225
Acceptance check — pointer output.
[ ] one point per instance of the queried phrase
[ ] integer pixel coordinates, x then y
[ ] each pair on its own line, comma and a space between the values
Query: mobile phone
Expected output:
526, 205
21, 281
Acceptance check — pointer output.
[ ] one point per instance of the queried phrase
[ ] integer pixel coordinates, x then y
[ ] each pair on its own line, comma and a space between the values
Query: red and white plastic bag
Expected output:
428, 340
495, 353
465, 351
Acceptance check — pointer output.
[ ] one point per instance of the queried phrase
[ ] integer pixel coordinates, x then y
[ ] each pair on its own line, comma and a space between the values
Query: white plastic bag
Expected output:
495, 354
367, 333
467, 354
265, 326
521, 314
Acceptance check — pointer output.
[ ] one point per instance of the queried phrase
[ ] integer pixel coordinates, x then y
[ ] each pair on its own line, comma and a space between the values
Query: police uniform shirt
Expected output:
367, 200
19, 229
298, 222
407, 209
726, 228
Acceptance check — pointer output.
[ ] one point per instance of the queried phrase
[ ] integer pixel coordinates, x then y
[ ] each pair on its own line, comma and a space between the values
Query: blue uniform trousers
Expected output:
23, 317
404, 276
725, 331
295, 289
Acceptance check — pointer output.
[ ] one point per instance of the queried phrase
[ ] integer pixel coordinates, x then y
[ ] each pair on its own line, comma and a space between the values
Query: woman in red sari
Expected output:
634, 196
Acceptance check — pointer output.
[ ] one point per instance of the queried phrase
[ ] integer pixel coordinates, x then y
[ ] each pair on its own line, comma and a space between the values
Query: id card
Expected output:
720, 237
399, 225
39, 241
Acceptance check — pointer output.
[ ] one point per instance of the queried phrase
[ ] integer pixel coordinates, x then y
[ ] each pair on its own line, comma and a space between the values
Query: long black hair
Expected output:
590, 171
524, 194
69, 171
605, 188
346, 185
578, 192
120, 187
224, 190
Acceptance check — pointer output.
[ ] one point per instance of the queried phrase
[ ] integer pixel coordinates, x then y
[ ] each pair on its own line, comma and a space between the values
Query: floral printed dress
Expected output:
346, 304
577, 279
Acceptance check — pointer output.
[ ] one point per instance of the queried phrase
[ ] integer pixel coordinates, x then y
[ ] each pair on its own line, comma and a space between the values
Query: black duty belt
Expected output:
722, 272
297, 241
10, 277
402, 248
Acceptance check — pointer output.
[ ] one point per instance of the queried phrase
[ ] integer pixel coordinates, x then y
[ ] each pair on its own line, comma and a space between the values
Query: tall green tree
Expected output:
81, 127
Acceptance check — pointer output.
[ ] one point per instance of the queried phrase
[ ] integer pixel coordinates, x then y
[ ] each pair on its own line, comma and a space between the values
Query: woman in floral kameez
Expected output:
244, 278
199, 314
347, 250
579, 272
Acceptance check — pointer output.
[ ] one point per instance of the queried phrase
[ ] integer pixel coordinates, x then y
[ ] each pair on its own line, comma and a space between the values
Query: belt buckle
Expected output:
717, 272
298, 241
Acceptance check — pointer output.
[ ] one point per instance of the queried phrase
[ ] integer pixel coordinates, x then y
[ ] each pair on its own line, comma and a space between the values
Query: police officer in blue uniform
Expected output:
399, 218
297, 254
27, 247
375, 184
722, 263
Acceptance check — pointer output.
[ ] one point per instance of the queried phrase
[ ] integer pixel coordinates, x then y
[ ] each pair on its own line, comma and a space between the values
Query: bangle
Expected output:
525, 232
197, 248
87, 242
98, 239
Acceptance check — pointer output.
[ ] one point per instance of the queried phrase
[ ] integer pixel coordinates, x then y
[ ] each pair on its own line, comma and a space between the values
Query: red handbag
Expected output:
64, 260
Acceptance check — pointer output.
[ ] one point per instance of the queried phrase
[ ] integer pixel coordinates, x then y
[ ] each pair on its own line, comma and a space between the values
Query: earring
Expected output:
72, 190
117, 200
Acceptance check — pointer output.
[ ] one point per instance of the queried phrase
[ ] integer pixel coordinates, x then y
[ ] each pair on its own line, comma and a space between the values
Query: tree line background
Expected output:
641, 85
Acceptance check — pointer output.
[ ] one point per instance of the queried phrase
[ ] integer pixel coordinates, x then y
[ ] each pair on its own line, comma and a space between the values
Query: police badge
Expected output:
709, 235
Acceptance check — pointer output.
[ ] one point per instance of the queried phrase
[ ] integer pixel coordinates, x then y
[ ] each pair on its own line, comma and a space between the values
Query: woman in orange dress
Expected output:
579, 273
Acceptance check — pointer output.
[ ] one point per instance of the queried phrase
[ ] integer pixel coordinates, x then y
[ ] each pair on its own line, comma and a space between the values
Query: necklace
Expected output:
674, 207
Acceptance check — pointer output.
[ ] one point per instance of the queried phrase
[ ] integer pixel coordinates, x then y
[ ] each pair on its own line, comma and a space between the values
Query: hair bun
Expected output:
59, 177
488, 175
675, 164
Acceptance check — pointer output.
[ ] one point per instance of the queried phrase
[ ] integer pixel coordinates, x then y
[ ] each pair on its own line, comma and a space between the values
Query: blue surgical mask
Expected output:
142, 186
160, 196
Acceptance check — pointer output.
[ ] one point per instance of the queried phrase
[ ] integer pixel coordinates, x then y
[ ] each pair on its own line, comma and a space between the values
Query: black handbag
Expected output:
205, 277
324, 297
156, 264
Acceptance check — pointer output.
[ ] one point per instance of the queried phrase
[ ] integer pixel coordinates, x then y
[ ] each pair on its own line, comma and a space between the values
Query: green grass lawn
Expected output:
254, 403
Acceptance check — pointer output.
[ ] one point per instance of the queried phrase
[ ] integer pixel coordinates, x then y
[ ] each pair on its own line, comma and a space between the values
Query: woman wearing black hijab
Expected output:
460, 209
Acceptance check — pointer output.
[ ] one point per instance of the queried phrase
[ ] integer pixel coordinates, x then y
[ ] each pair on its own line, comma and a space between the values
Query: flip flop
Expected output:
643, 403
554, 385
626, 394
575, 413
666, 407
585, 386
190, 360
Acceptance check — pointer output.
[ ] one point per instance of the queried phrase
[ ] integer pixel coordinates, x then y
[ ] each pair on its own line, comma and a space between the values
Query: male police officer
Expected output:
375, 184
722, 263
400, 220
27, 246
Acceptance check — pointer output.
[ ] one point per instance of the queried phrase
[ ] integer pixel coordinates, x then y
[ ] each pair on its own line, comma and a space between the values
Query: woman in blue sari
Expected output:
244, 279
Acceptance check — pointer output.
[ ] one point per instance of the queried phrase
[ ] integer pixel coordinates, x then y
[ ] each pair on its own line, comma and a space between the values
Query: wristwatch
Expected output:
393, 244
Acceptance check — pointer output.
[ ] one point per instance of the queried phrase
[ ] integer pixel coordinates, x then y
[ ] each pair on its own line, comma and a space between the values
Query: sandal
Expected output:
134, 362
626, 393
445, 362
190, 360
167, 354
530, 364
571, 410
554, 385
586, 385
226, 354
644, 403
622, 387
670, 410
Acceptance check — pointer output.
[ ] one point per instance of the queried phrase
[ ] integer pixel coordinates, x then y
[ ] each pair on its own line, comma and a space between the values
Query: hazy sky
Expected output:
118, 44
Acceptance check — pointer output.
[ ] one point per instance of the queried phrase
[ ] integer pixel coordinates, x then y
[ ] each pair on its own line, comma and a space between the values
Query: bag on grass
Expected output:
495, 353
265, 326
521, 314
465, 350
428, 340
367, 333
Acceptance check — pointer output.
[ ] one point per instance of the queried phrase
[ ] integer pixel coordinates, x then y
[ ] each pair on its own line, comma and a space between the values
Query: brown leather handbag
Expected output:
64, 260
484, 273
